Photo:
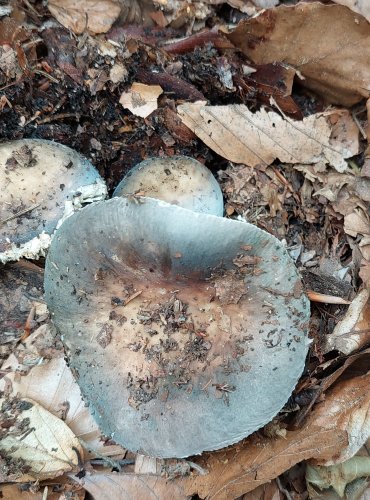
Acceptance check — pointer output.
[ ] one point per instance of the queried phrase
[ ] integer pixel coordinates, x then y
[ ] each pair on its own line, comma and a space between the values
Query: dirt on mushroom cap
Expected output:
39, 177
171, 355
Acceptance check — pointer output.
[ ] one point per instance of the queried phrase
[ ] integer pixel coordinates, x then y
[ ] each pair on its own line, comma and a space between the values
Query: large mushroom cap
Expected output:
37, 178
187, 331
179, 180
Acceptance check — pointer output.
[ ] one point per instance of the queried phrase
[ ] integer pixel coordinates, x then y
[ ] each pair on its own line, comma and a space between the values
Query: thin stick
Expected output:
133, 296
18, 214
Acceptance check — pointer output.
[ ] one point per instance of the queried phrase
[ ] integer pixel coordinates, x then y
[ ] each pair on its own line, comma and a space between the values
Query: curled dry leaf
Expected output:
94, 16
141, 99
43, 443
338, 476
253, 139
327, 44
353, 331
356, 223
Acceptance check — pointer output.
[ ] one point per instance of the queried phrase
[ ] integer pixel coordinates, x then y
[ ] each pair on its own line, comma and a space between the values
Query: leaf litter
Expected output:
305, 180
241, 136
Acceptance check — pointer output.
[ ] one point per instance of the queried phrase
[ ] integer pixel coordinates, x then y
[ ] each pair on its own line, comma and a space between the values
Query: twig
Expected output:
52, 118
133, 296
326, 299
18, 214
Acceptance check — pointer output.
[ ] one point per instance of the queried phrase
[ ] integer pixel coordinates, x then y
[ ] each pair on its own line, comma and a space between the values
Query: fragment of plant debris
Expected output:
273, 99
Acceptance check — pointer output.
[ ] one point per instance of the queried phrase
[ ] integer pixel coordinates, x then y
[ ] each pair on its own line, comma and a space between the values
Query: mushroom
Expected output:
187, 331
42, 182
179, 180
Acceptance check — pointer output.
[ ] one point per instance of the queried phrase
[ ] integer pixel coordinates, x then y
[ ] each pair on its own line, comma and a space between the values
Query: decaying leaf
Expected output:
344, 412
338, 476
241, 136
327, 44
115, 485
356, 223
141, 99
353, 331
94, 16
43, 443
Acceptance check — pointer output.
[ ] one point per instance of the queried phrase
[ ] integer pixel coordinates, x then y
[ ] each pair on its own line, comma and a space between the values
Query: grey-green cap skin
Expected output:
187, 331
37, 178
178, 180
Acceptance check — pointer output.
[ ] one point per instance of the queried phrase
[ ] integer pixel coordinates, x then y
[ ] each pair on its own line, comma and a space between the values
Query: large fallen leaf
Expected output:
94, 16
327, 44
43, 443
241, 136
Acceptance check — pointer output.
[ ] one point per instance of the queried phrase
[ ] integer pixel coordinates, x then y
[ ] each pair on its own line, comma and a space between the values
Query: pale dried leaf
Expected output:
356, 223
47, 445
327, 44
353, 331
52, 385
365, 272
131, 486
364, 246
360, 6
338, 476
141, 99
253, 139
94, 16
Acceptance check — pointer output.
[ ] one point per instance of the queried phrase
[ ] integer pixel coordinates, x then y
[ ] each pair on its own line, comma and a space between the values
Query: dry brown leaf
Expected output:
343, 415
327, 44
141, 99
268, 491
360, 6
253, 139
43, 442
115, 485
94, 16
17, 492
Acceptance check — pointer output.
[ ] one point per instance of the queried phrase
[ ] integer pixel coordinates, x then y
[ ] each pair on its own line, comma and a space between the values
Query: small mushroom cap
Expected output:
37, 177
178, 180
187, 331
